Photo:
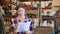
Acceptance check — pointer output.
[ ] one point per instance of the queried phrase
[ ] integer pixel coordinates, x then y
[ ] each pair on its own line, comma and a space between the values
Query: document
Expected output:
23, 26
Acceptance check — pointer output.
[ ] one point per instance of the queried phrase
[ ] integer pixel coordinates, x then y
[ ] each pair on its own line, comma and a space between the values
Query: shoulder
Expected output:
28, 19
14, 20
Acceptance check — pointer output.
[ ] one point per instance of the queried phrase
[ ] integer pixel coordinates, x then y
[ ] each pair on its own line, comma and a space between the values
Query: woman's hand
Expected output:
15, 29
14, 32
28, 32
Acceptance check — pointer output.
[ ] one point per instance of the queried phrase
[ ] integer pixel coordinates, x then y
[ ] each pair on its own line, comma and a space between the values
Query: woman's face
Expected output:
20, 12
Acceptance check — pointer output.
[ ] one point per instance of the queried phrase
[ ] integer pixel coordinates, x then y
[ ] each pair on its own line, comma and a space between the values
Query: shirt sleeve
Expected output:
13, 22
31, 25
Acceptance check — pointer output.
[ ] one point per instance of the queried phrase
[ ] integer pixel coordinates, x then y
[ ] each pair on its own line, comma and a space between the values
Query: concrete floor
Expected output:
43, 30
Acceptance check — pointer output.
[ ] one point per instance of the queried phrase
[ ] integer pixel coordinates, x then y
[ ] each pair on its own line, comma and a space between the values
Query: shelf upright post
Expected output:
40, 13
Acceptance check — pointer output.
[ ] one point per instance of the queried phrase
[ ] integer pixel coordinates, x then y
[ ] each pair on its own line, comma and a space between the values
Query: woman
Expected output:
16, 23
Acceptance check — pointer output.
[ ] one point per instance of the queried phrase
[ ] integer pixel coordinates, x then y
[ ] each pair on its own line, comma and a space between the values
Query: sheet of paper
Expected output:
23, 26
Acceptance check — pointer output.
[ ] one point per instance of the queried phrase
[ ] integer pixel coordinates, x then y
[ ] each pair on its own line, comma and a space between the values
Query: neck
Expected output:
21, 16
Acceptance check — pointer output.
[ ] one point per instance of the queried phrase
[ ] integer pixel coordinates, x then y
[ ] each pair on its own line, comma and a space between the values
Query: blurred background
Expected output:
45, 14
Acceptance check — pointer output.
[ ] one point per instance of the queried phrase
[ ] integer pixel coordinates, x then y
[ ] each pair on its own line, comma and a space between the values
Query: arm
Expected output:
13, 25
15, 29
31, 28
